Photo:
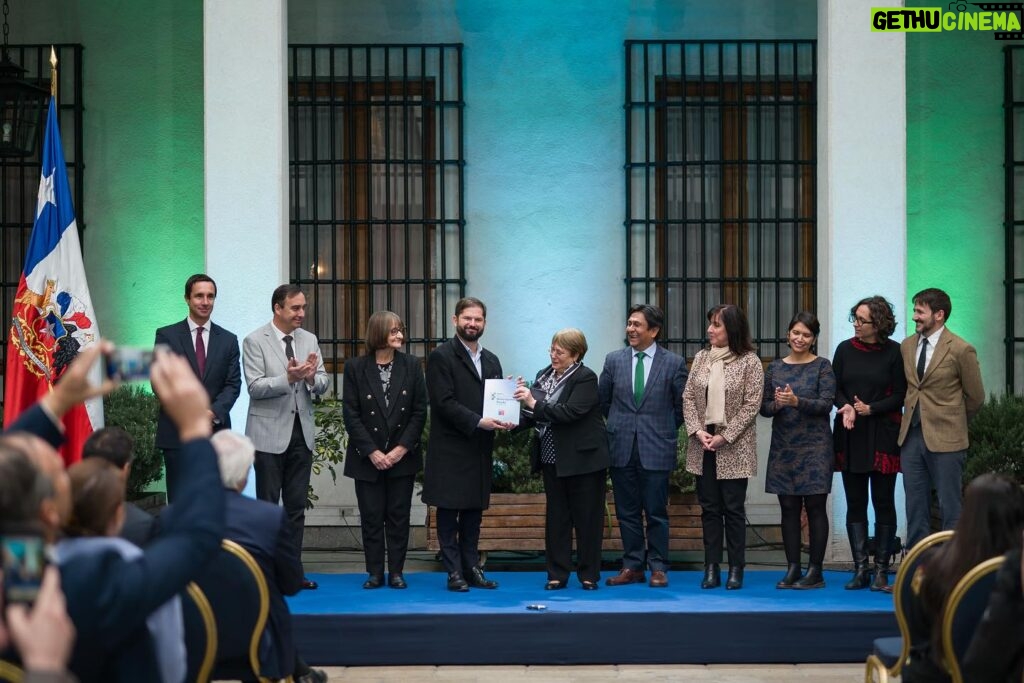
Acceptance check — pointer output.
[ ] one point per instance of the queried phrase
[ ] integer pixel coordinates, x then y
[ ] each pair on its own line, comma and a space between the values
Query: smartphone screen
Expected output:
127, 363
24, 559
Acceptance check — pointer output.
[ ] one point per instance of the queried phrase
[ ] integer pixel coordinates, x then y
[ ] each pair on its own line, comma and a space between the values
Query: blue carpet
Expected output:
343, 625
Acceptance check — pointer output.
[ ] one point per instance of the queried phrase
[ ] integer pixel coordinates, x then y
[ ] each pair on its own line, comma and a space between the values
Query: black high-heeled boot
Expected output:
712, 576
735, 580
791, 577
812, 579
858, 532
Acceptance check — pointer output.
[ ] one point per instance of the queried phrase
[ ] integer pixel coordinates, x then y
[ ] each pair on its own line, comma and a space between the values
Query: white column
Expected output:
245, 80
862, 177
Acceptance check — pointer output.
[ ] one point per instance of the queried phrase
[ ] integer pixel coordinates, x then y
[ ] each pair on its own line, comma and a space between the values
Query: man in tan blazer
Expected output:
944, 391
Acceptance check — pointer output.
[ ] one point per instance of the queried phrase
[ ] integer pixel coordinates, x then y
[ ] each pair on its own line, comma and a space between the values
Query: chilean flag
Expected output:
53, 317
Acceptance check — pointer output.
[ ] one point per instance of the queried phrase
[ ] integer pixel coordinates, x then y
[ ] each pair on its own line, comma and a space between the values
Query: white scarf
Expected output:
718, 357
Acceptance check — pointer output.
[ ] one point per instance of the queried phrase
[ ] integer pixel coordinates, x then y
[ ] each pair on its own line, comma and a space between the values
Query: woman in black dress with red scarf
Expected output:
870, 386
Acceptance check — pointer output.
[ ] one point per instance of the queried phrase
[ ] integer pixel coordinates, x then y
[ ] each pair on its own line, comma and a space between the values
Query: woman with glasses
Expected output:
571, 453
384, 407
870, 386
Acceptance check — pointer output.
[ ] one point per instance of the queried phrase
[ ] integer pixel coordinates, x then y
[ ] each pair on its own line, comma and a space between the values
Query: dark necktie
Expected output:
922, 359
289, 352
638, 379
200, 352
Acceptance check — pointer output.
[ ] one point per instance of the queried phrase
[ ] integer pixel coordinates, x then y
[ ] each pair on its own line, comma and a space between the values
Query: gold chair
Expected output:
237, 591
10, 673
200, 634
889, 654
963, 610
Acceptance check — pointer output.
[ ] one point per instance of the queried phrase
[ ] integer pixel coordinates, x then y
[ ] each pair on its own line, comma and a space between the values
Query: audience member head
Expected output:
113, 444
235, 454
23, 487
54, 509
97, 494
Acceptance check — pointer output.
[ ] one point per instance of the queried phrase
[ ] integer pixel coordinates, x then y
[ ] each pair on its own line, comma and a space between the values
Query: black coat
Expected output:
581, 442
458, 464
373, 425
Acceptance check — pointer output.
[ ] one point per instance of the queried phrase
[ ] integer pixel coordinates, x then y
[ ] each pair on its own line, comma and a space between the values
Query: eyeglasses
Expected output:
558, 353
860, 321
397, 330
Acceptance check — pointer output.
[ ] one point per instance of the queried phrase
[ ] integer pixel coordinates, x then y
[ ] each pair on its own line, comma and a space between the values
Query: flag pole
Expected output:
53, 73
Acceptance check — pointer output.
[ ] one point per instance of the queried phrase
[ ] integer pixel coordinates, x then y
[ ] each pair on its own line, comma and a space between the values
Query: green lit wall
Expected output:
143, 97
955, 183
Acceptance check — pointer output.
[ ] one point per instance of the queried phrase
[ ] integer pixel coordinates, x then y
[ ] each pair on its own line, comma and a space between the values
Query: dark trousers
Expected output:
923, 469
817, 526
574, 503
883, 497
285, 477
641, 493
171, 469
458, 533
722, 508
384, 516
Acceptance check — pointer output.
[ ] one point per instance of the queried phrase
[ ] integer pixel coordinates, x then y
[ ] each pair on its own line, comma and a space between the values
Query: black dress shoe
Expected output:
589, 585
791, 577
735, 580
555, 585
457, 584
396, 581
476, 579
712, 576
374, 581
313, 676
309, 585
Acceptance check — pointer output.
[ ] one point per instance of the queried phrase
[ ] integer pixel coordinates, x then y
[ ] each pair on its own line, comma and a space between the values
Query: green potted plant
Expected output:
134, 408
330, 442
997, 439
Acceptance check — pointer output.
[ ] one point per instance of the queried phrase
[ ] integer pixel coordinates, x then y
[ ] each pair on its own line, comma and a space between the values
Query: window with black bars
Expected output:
19, 178
720, 184
1013, 225
376, 165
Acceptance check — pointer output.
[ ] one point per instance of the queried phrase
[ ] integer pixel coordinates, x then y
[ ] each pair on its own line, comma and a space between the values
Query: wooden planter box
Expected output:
515, 521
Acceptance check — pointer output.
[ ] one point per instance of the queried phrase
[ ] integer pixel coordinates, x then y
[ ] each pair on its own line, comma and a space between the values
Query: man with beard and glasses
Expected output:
457, 477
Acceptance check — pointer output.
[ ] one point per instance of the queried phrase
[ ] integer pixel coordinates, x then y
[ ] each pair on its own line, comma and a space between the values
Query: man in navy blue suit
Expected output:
641, 394
110, 595
262, 528
213, 354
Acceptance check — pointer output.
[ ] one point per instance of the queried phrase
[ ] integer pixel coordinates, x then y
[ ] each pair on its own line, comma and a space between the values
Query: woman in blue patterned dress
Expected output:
798, 394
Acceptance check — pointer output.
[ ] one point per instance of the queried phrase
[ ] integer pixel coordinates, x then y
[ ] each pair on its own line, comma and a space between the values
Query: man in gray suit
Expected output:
284, 371
641, 394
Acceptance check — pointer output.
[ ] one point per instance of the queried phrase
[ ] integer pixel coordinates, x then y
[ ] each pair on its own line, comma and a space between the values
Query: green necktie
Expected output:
638, 379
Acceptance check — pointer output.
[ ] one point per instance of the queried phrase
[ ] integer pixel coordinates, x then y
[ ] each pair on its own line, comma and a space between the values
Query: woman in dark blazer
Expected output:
571, 452
384, 407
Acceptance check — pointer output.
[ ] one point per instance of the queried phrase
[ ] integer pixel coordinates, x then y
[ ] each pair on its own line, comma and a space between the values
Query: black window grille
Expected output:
720, 184
376, 165
19, 178
1013, 225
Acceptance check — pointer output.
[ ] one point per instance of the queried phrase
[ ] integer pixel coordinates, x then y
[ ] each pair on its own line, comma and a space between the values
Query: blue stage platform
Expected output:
343, 625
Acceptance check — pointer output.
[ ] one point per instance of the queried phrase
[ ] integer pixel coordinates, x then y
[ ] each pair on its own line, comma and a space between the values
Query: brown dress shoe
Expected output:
658, 579
626, 576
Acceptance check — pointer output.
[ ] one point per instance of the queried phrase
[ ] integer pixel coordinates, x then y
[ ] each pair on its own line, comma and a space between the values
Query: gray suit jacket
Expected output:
273, 402
655, 422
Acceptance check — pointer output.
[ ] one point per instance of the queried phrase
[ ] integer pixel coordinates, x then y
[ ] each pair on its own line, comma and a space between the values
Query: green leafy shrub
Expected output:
330, 442
512, 464
997, 439
134, 409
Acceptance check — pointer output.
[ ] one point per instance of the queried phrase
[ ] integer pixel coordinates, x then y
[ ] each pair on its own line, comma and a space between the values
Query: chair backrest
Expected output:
902, 595
200, 634
10, 673
964, 608
237, 591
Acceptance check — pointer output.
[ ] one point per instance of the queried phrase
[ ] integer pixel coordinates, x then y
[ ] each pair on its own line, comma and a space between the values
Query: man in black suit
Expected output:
457, 476
116, 446
213, 354
262, 529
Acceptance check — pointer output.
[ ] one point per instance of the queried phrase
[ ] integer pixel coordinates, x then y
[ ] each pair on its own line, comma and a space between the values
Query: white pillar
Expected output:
245, 81
862, 177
